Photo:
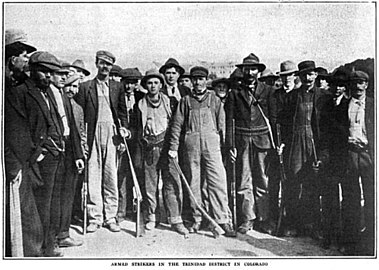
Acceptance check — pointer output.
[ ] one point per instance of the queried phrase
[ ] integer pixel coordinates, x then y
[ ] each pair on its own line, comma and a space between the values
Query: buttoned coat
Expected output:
87, 97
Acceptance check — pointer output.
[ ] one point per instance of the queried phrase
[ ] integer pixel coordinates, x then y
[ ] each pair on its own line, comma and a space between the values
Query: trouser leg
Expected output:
122, 174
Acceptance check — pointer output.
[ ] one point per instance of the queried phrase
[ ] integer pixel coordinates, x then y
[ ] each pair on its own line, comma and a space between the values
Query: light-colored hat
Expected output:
287, 67
45, 59
79, 64
266, 74
152, 73
106, 56
17, 35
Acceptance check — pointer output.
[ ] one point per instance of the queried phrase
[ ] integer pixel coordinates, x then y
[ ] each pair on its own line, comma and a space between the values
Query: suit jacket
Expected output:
238, 107
87, 97
183, 90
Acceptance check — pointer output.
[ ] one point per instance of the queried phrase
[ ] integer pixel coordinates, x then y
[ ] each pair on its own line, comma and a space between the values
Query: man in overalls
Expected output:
202, 116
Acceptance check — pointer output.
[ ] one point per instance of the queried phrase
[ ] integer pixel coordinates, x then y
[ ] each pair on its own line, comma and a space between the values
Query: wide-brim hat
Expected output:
323, 73
287, 67
13, 36
130, 74
252, 60
306, 66
106, 56
237, 74
339, 76
171, 62
79, 64
45, 59
221, 80
267, 74
152, 73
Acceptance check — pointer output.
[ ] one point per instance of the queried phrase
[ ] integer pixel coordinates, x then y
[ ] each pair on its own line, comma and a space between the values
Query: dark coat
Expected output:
237, 107
183, 90
87, 98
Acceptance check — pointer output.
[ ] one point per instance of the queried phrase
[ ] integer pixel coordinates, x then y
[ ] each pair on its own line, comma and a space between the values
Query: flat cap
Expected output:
45, 59
199, 71
106, 56
359, 76
13, 36
115, 70
131, 74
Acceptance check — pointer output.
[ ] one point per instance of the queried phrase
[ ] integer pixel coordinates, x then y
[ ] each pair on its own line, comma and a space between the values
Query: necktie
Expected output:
173, 90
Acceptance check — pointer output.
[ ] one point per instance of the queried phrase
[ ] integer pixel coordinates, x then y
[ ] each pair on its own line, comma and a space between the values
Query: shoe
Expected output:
195, 227
150, 225
92, 227
179, 227
56, 252
246, 226
69, 242
228, 228
113, 227
264, 227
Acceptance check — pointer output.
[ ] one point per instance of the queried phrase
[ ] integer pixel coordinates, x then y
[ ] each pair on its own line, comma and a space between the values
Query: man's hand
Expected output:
233, 155
279, 149
79, 165
121, 148
172, 153
125, 133
40, 157
316, 166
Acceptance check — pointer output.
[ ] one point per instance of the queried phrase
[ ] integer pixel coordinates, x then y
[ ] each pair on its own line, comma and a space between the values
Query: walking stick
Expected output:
217, 229
85, 190
233, 183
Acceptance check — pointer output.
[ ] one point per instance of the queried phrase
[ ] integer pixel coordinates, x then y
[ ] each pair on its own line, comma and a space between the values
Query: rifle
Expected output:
137, 195
283, 179
233, 182
85, 191
217, 229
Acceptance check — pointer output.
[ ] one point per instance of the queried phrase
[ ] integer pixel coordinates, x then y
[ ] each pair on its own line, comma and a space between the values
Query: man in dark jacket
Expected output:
247, 105
103, 103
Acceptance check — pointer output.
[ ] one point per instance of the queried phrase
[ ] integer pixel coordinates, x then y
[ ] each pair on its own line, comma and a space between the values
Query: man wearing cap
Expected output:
73, 161
78, 67
47, 135
356, 123
310, 128
103, 103
247, 105
21, 169
201, 116
115, 73
282, 104
185, 80
129, 78
323, 79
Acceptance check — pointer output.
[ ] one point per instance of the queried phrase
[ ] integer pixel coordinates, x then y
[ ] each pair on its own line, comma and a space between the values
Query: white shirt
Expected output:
61, 110
357, 128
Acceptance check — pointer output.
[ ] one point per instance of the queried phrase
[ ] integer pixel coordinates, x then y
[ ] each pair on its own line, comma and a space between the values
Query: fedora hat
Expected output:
171, 62
306, 66
323, 73
79, 64
287, 67
266, 74
13, 36
151, 73
252, 60
65, 67
45, 59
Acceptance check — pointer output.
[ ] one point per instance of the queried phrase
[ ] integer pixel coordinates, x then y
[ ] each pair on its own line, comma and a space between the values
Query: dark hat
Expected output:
171, 62
237, 74
252, 60
65, 67
339, 76
306, 66
131, 74
359, 76
266, 74
45, 59
199, 72
79, 64
18, 36
323, 73
151, 73
185, 75
106, 56
220, 80
287, 67
115, 71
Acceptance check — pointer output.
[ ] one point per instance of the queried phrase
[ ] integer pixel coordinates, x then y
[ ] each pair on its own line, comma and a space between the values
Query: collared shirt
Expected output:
337, 100
105, 112
58, 98
129, 101
173, 91
357, 128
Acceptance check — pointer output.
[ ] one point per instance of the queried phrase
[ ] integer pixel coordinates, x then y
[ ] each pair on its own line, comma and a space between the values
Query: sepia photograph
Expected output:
189, 134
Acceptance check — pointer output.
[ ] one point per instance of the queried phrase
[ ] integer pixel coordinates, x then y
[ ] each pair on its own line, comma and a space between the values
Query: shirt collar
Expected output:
100, 82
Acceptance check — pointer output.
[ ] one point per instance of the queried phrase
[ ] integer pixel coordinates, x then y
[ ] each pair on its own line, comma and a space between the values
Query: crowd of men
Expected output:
298, 141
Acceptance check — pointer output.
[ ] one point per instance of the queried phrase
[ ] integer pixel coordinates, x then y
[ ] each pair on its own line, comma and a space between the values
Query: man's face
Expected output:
358, 88
103, 67
153, 85
72, 89
338, 89
20, 62
308, 78
199, 84
324, 84
186, 82
221, 89
42, 77
171, 76
250, 74
59, 79
130, 85
288, 81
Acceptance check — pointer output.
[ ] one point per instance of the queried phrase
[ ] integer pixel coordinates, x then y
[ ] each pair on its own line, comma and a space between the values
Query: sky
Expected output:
139, 34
